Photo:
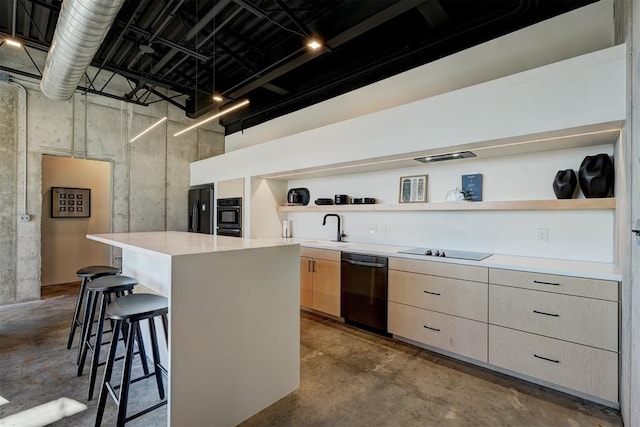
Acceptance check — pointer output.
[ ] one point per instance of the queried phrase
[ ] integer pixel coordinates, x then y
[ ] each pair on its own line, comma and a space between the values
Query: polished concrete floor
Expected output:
348, 378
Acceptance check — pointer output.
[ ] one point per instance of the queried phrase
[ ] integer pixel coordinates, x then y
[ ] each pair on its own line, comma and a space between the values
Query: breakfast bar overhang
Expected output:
234, 323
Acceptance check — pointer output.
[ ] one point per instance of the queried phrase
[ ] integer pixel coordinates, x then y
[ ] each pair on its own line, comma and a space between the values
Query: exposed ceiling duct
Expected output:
81, 28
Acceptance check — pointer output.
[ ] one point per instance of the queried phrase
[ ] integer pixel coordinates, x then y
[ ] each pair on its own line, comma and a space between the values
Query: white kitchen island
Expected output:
234, 320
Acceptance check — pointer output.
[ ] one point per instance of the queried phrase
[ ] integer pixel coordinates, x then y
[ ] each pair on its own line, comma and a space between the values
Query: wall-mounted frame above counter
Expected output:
505, 205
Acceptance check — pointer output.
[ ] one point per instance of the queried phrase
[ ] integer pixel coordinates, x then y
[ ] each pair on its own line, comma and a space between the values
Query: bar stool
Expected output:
87, 274
100, 292
128, 311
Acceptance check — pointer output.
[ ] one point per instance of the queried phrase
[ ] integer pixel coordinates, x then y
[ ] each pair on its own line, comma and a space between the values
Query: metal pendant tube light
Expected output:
148, 129
215, 116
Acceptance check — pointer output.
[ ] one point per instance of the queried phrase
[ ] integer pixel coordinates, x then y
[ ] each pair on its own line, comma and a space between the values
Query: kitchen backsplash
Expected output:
580, 235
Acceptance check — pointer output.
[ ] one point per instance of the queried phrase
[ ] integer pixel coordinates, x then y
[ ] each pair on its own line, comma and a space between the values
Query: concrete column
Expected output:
8, 190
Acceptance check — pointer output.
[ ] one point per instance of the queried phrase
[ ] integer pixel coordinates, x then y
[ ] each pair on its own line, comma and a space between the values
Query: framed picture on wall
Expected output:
70, 202
413, 189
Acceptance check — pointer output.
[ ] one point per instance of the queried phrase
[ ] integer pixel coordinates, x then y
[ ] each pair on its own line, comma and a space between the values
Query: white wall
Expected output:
591, 29
579, 235
581, 91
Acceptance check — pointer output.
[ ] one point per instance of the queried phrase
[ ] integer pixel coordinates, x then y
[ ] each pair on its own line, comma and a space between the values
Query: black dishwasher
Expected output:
364, 291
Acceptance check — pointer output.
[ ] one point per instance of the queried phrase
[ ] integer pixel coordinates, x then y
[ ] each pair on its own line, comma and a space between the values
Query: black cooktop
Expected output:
447, 253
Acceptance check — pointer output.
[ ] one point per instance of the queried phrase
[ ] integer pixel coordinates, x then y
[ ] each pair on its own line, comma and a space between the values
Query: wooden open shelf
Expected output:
507, 205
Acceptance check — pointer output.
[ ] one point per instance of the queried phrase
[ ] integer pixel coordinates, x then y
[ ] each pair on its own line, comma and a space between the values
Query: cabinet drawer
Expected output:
328, 254
580, 320
443, 269
450, 296
591, 288
451, 333
585, 369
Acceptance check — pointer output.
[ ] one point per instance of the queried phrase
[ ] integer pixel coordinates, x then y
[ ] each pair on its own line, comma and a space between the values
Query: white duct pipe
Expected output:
81, 27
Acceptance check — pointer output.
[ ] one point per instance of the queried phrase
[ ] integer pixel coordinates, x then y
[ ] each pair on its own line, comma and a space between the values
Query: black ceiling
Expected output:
256, 49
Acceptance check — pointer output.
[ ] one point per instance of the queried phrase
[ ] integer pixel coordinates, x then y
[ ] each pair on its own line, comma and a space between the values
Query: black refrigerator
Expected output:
201, 208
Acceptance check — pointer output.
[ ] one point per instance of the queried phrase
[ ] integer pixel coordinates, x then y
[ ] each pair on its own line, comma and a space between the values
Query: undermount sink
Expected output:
331, 243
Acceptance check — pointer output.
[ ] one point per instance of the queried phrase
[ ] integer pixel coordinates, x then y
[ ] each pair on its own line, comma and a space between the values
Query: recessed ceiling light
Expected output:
218, 98
13, 43
314, 44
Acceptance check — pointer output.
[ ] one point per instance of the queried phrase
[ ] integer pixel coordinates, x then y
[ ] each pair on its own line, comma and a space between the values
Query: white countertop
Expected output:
587, 269
174, 243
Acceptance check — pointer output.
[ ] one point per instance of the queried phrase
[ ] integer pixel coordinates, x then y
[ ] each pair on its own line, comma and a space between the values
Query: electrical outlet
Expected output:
373, 228
382, 228
543, 234
24, 218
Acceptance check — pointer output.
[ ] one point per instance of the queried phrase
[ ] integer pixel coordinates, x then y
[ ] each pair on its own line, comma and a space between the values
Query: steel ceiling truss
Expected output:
256, 48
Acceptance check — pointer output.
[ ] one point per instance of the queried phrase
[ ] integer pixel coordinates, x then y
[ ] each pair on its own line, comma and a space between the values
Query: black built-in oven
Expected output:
229, 217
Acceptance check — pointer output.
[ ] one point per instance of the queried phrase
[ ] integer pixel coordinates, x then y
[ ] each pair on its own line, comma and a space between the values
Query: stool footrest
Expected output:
135, 380
145, 411
135, 353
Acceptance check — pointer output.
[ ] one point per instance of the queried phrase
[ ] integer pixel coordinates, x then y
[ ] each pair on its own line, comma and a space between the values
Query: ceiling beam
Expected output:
347, 35
251, 68
166, 42
435, 15
116, 44
200, 44
81, 88
294, 18
26, 23
165, 97
155, 34
215, 10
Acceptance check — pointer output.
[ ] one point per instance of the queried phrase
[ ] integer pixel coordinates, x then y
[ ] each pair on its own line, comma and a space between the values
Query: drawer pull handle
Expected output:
433, 329
546, 314
431, 293
546, 283
546, 358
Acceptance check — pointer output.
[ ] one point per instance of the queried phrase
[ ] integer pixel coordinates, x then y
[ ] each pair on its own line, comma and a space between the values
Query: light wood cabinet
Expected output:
442, 269
559, 329
320, 280
451, 333
439, 304
452, 296
589, 370
580, 320
590, 288
306, 282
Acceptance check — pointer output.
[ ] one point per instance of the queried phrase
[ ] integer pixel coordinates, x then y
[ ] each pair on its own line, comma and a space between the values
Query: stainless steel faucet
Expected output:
340, 234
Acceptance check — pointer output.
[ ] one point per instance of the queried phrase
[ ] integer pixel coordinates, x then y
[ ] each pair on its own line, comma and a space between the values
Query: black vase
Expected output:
565, 183
596, 176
